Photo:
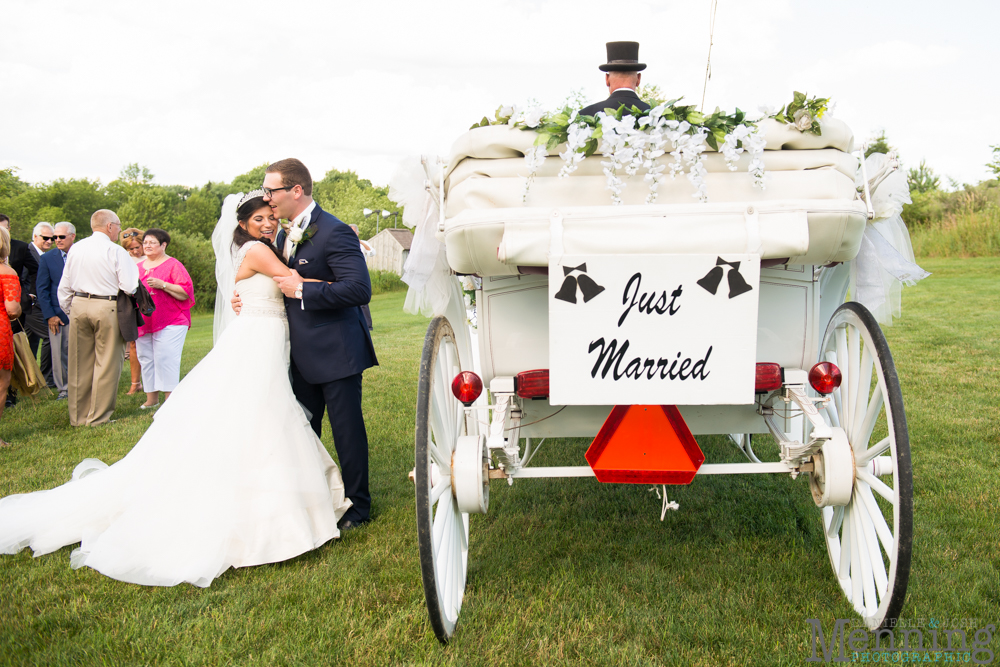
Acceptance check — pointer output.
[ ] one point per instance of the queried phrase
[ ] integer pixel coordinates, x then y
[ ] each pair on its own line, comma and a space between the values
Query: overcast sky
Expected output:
203, 90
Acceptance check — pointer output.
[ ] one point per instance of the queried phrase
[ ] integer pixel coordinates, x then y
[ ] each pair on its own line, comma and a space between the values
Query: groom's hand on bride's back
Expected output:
236, 302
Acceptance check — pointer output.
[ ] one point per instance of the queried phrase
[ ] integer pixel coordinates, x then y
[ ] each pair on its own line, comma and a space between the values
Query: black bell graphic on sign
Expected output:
737, 285
567, 292
711, 280
587, 285
589, 288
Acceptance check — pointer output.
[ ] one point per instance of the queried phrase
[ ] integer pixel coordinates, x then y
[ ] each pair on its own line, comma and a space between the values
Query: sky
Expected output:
206, 90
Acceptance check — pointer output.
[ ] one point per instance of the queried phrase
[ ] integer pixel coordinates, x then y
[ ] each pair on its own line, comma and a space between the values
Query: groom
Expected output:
330, 342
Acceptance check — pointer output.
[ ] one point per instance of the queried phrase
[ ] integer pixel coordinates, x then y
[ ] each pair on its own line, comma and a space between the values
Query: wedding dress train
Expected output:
229, 474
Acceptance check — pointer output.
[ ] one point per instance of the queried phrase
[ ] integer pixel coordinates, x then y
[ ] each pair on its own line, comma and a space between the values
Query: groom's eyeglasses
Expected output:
270, 191
59, 236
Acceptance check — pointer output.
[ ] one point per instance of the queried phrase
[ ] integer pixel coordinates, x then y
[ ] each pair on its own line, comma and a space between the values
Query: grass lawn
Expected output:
561, 571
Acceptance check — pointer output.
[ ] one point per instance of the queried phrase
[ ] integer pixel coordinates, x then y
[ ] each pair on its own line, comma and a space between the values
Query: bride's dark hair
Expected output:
241, 235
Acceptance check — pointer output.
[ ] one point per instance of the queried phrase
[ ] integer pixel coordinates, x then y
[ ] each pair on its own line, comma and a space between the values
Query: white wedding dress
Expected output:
229, 474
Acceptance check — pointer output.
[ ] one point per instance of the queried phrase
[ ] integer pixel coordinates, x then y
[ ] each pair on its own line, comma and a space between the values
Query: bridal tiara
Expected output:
250, 195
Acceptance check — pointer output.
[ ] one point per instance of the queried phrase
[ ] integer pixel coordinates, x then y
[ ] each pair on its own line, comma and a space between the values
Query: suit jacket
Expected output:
329, 337
50, 270
25, 263
33, 270
618, 98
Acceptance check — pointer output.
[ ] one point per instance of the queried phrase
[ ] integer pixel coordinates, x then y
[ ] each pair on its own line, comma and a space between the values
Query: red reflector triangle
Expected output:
645, 444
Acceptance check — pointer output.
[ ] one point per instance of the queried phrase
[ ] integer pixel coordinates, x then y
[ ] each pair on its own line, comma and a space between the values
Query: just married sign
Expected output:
653, 329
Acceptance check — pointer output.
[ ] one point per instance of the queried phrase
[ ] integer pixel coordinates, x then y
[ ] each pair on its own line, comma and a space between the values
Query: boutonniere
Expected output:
298, 236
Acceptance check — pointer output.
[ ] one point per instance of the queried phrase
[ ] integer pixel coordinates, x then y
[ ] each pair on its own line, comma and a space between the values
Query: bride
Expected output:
220, 479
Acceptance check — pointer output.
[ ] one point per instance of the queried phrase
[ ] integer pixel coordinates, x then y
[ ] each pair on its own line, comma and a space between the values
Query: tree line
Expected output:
188, 214
935, 202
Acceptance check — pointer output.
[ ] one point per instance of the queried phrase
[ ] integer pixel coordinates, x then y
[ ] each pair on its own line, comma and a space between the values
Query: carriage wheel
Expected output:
442, 529
870, 538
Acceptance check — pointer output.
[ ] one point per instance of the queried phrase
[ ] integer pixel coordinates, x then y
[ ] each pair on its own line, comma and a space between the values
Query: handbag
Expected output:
143, 301
26, 377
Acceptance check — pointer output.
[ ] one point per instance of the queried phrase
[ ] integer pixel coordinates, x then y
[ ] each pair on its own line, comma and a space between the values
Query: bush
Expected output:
196, 254
386, 281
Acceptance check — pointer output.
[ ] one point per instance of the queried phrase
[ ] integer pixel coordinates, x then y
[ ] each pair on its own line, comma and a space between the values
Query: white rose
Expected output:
533, 118
295, 234
803, 121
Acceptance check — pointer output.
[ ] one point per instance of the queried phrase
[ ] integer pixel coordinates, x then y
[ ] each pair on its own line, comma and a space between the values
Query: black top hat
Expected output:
623, 57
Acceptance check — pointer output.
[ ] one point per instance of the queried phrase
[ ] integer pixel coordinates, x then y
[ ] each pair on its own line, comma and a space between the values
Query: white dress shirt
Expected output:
301, 221
97, 266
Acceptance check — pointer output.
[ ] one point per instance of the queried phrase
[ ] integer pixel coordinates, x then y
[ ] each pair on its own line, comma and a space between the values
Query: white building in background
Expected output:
392, 246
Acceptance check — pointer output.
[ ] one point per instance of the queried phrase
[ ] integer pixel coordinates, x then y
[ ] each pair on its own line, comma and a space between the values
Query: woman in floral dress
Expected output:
12, 303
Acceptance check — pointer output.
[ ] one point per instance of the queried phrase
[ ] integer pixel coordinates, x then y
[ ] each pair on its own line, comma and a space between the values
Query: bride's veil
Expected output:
225, 267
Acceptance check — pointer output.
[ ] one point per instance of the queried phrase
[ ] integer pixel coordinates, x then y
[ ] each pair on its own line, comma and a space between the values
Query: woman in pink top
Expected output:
161, 338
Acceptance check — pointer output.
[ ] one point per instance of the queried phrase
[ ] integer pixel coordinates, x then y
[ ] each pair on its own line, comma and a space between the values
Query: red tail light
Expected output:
825, 377
532, 384
467, 386
768, 378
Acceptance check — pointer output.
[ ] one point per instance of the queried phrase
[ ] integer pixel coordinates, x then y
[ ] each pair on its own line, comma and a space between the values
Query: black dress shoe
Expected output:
345, 525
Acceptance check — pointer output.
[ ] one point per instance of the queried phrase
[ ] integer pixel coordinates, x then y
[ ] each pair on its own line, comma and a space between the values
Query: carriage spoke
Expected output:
863, 429
854, 363
446, 578
861, 403
836, 521
870, 604
841, 393
866, 456
844, 572
878, 486
878, 520
857, 573
444, 484
458, 574
871, 541
441, 521
459, 418
440, 459
440, 423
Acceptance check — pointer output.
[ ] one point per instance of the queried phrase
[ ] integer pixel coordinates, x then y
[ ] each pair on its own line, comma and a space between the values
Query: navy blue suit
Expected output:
331, 345
50, 270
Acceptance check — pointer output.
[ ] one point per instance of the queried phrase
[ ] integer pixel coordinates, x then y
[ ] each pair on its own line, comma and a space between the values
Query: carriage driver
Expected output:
622, 76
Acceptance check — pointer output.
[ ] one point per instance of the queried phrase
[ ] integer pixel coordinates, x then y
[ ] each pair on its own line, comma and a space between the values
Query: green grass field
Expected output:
561, 571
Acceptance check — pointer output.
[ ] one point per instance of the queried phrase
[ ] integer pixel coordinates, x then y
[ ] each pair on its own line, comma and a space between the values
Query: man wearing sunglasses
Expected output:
35, 325
50, 270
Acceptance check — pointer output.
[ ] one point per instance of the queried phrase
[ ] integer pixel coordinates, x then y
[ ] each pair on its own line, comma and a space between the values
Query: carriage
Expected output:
644, 325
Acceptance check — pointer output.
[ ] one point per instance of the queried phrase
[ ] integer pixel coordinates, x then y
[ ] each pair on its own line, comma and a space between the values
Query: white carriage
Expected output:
792, 334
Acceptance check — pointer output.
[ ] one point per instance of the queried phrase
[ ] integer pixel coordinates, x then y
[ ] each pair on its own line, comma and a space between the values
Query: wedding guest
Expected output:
95, 271
622, 77
50, 270
23, 262
131, 240
34, 323
161, 338
11, 283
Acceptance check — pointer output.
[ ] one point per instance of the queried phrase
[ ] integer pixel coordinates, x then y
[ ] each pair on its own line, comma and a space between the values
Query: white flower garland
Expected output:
630, 146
